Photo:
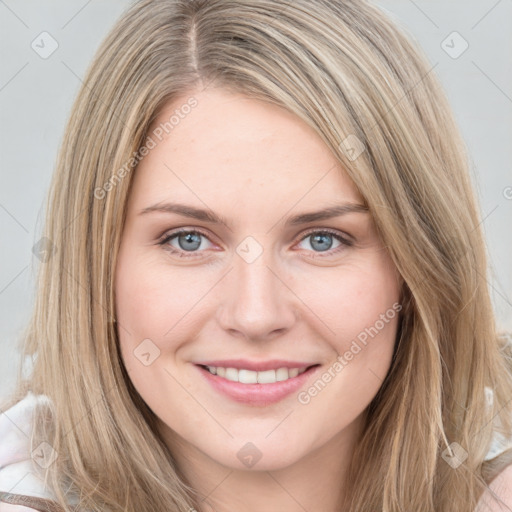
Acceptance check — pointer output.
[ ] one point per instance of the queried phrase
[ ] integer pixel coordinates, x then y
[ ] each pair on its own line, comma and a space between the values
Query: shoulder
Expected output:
20, 472
498, 498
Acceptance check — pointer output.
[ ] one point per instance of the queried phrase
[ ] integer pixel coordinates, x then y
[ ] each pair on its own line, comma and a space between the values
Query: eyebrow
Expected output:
211, 217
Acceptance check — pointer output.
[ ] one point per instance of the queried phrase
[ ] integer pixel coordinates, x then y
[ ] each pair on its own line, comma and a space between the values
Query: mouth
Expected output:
257, 387
246, 376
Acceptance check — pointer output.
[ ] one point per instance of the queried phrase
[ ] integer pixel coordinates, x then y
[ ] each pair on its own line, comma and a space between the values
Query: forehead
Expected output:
235, 149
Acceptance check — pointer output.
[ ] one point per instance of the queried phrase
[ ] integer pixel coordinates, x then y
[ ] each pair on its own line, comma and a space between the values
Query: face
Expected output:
219, 266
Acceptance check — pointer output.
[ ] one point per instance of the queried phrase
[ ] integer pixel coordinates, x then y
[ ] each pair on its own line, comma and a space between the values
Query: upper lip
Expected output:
257, 366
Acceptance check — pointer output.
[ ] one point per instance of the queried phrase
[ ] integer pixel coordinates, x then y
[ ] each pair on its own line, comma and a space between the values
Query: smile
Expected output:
259, 386
245, 376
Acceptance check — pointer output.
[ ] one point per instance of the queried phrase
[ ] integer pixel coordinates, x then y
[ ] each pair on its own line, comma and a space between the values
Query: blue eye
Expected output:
189, 241
322, 240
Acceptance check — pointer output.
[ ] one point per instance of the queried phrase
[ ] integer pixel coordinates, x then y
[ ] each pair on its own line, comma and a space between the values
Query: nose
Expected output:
257, 304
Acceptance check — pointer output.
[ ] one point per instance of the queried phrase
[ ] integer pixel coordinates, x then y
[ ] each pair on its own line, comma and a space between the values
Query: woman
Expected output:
267, 283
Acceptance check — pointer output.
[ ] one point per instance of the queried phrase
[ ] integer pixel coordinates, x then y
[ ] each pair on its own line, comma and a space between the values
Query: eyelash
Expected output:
345, 242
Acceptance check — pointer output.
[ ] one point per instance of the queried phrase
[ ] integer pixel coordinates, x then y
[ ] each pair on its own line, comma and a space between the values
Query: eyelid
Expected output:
168, 234
336, 232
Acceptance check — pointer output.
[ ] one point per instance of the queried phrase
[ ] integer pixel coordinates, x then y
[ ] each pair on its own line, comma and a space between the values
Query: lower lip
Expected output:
257, 394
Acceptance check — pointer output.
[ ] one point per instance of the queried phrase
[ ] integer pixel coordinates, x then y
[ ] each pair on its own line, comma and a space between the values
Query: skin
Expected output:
255, 164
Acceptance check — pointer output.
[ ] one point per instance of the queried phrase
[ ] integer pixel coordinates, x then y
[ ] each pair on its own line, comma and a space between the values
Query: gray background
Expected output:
36, 95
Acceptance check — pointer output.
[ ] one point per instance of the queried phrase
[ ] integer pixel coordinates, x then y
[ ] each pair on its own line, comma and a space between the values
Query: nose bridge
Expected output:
256, 284
256, 302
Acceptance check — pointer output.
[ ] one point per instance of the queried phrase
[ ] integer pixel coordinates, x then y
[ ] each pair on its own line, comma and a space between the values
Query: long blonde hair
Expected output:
352, 75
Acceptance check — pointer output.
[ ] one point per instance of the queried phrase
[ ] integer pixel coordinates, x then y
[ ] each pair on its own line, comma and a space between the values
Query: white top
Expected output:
22, 468
19, 474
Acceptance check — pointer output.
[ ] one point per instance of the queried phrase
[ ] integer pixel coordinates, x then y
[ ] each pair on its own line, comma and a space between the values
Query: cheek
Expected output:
354, 298
151, 301
361, 310
147, 307
157, 314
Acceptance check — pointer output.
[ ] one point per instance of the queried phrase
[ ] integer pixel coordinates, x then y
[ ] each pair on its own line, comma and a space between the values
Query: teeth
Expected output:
246, 377
266, 377
251, 377
281, 374
231, 374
